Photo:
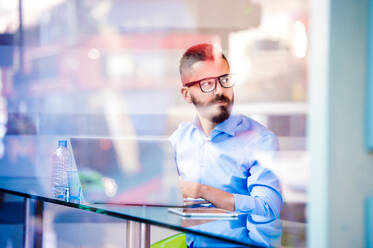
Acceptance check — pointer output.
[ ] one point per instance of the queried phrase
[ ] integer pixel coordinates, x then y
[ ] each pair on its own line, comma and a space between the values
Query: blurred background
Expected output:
109, 68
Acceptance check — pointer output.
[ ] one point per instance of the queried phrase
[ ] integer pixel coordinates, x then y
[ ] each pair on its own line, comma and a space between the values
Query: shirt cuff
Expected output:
243, 203
265, 201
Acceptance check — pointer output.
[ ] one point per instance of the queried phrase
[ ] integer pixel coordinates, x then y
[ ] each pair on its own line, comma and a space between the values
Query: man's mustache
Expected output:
220, 98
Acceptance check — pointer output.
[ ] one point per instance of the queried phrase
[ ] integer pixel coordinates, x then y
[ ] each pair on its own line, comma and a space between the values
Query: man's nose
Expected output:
218, 89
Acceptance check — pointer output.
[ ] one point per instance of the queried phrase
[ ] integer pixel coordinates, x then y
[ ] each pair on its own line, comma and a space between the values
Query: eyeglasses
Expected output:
209, 84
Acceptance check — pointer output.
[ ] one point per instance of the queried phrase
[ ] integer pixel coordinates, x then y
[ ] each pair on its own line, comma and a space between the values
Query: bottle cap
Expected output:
62, 143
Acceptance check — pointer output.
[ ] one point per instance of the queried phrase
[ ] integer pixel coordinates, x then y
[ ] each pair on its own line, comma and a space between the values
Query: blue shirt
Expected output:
233, 159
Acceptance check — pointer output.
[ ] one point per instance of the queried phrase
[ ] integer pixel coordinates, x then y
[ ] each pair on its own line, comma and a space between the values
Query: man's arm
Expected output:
219, 198
263, 198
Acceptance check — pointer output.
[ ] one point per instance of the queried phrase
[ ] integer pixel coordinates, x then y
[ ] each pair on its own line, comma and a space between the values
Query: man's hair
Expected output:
200, 52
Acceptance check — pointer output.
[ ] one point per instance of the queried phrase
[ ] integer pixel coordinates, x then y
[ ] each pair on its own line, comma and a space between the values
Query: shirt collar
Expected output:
228, 126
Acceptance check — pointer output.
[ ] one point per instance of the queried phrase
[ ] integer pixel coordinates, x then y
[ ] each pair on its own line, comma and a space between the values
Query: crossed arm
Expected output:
264, 198
219, 198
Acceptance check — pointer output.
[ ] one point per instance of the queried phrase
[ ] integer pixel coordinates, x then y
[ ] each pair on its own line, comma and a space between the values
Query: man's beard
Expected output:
224, 111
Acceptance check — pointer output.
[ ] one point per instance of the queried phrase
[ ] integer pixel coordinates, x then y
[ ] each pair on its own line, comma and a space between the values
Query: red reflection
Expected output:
105, 144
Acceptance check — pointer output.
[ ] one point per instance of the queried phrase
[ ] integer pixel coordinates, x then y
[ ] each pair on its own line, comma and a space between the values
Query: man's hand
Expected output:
219, 198
190, 189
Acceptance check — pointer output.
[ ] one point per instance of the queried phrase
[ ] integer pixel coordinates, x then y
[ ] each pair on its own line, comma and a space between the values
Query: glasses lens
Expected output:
207, 85
227, 80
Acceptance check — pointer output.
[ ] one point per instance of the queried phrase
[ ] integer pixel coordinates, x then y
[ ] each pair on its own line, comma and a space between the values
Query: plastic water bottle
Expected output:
62, 162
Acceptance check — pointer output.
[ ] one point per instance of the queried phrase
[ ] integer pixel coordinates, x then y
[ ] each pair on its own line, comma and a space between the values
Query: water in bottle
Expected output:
62, 163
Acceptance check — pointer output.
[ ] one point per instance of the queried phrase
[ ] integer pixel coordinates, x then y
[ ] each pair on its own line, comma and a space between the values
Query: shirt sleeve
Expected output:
264, 191
264, 198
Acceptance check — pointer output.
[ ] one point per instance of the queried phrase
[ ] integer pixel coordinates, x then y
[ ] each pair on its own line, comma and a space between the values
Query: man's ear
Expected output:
185, 93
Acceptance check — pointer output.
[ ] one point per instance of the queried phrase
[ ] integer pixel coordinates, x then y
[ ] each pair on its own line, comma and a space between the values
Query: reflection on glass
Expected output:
249, 229
110, 186
74, 186
18, 157
109, 69
104, 176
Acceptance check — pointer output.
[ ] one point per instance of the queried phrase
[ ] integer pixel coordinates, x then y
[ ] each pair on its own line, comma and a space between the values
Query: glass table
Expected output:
245, 230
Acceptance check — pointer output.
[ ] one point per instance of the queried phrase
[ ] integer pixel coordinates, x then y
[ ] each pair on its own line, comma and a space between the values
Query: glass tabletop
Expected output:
246, 229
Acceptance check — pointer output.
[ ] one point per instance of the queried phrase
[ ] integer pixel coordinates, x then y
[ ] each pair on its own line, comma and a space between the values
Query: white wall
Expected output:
341, 169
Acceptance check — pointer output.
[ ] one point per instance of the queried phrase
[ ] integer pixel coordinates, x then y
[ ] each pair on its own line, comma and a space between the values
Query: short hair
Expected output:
200, 52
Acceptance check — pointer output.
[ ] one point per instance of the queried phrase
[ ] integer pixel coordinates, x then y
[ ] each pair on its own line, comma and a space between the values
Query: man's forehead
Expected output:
207, 68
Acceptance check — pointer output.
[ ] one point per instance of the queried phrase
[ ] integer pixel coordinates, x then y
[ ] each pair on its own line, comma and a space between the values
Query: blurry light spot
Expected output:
110, 186
3, 25
240, 60
101, 9
300, 40
105, 145
2, 149
3, 118
36, 11
120, 65
94, 53
2, 131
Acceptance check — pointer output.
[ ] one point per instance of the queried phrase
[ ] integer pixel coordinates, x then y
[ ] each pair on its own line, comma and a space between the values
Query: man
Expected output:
220, 156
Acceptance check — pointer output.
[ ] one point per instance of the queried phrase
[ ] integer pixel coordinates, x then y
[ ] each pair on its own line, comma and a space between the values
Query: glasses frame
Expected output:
217, 79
